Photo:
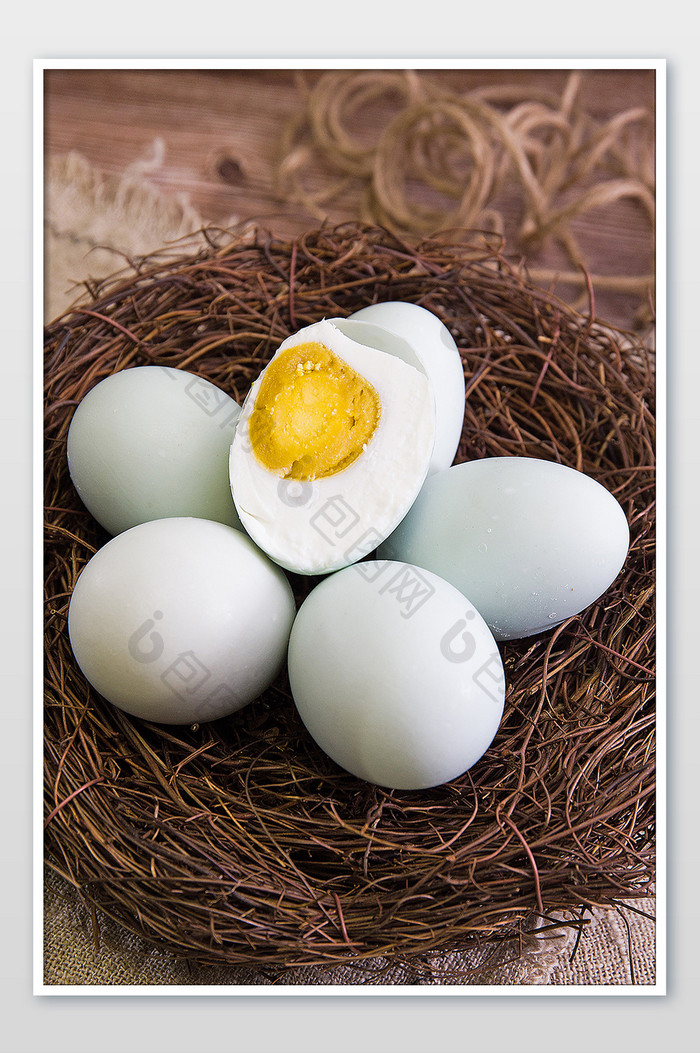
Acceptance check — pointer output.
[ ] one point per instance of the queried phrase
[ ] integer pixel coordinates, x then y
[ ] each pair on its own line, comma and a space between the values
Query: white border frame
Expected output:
39, 68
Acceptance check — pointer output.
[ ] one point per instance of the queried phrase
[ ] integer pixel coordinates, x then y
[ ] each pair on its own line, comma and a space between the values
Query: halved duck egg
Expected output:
332, 446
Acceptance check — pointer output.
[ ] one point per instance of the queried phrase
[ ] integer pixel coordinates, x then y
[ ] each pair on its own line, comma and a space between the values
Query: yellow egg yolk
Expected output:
313, 414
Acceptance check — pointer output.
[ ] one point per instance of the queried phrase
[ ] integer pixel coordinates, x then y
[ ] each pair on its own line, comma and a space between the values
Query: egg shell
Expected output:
319, 525
180, 620
395, 675
382, 339
433, 345
151, 442
529, 541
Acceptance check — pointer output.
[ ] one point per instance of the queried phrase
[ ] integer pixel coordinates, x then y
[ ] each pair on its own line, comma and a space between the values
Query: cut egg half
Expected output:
331, 449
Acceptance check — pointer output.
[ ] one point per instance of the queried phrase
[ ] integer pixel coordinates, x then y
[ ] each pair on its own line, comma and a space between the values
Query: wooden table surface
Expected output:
221, 131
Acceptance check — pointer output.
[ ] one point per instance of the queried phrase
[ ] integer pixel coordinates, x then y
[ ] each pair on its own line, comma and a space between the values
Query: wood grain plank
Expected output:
221, 130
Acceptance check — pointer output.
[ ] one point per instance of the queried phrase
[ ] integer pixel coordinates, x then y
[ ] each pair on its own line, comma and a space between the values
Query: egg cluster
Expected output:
338, 465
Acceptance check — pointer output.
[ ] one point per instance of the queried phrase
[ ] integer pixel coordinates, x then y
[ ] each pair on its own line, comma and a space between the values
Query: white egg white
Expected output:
320, 525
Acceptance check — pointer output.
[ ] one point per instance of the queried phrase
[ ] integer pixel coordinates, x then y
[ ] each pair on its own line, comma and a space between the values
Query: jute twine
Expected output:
446, 159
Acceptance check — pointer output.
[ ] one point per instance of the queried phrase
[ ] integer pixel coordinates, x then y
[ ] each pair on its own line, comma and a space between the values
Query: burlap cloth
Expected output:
93, 226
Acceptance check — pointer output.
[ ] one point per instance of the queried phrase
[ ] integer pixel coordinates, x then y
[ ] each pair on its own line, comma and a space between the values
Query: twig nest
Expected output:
238, 839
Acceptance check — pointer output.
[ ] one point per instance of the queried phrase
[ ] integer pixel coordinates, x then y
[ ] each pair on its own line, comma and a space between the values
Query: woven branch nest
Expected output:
239, 841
